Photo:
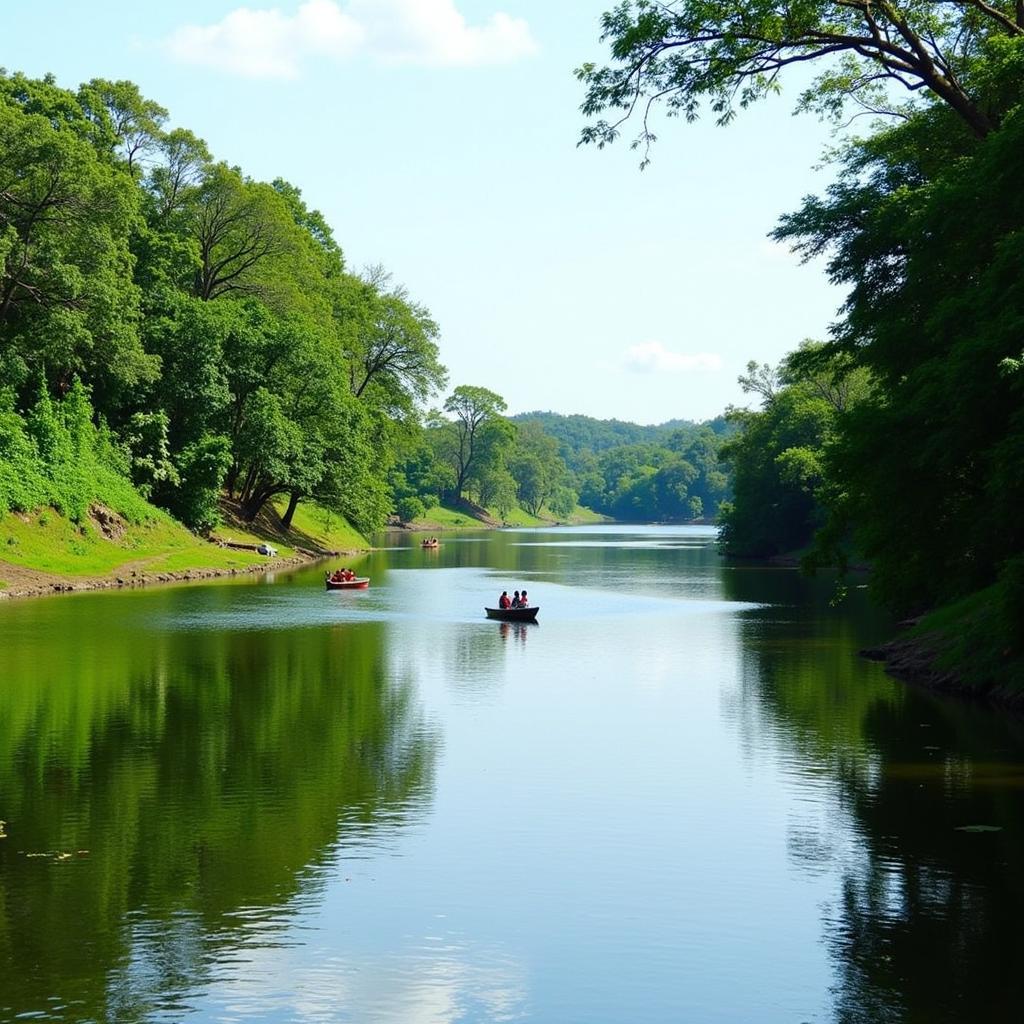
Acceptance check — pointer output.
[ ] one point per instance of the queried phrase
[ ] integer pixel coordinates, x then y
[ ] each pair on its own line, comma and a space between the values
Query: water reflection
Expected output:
199, 779
442, 981
924, 921
519, 631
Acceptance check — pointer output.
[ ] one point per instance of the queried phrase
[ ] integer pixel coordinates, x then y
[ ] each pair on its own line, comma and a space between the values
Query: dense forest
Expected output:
902, 436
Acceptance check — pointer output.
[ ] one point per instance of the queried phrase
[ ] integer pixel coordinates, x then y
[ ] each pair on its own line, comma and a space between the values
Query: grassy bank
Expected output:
49, 543
978, 642
42, 550
973, 647
316, 527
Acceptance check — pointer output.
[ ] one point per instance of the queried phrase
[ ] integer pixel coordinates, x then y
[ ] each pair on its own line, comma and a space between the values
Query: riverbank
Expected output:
971, 648
44, 553
21, 583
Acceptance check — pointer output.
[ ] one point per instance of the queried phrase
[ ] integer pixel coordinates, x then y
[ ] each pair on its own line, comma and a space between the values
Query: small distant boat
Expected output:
514, 614
359, 583
430, 544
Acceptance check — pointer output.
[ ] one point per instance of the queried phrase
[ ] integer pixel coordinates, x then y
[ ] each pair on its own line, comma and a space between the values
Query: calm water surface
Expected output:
680, 797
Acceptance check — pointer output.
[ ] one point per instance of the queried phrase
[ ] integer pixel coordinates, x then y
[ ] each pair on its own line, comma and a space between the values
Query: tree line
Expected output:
903, 433
174, 329
635, 473
223, 344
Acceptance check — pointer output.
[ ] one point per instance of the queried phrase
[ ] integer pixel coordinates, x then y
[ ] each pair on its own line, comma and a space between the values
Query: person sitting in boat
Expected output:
336, 576
504, 601
524, 601
515, 600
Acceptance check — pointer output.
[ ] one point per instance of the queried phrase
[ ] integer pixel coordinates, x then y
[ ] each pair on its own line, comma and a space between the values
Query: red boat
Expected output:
356, 583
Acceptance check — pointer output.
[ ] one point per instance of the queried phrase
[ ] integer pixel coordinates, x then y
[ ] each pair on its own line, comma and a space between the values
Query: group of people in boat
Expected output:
342, 576
517, 600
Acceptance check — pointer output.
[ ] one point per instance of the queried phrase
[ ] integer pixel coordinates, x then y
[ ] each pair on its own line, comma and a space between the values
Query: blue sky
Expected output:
439, 139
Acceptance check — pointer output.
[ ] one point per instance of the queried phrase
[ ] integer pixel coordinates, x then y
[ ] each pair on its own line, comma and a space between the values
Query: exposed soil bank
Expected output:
23, 582
918, 659
913, 659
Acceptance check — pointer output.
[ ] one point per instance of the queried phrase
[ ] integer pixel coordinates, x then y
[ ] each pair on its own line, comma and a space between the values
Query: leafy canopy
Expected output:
881, 56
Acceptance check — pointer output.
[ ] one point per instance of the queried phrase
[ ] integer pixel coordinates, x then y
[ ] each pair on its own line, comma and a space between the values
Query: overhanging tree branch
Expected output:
728, 54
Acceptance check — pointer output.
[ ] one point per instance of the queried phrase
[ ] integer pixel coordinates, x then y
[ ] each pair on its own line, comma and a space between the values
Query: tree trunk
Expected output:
252, 505
262, 491
293, 504
246, 490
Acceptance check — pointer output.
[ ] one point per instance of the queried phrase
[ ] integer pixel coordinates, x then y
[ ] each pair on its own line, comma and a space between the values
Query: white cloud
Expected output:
653, 357
269, 43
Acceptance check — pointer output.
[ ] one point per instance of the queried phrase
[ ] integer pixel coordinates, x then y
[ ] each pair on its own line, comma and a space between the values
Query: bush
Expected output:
410, 508
57, 457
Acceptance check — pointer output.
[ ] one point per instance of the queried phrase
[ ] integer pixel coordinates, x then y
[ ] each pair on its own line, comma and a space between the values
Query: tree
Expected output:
393, 357
776, 463
475, 410
682, 53
760, 379
286, 398
927, 471
537, 468
782, 486
208, 317
315, 225
68, 304
417, 472
238, 226
178, 174
135, 122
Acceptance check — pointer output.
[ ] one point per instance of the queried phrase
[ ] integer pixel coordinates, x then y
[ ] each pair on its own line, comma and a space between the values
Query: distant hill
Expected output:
580, 433
634, 473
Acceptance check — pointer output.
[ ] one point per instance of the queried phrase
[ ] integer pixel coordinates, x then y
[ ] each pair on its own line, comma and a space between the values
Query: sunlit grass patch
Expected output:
48, 542
314, 525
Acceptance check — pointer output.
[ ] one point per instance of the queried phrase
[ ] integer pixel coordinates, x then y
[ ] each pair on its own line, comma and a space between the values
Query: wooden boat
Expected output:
430, 544
514, 614
359, 583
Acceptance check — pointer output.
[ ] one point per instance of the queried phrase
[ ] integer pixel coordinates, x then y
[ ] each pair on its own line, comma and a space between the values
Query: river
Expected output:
681, 796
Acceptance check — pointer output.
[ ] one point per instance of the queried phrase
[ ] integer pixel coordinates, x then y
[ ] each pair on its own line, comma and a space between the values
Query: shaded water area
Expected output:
680, 797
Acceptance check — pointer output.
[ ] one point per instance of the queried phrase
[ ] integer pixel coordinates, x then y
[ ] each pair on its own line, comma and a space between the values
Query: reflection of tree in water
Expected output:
210, 774
927, 928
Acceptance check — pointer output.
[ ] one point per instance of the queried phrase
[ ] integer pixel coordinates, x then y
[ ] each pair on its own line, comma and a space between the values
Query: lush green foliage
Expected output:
56, 456
893, 57
778, 457
229, 352
545, 464
936, 314
636, 473
681, 479
210, 316
473, 453
579, 436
